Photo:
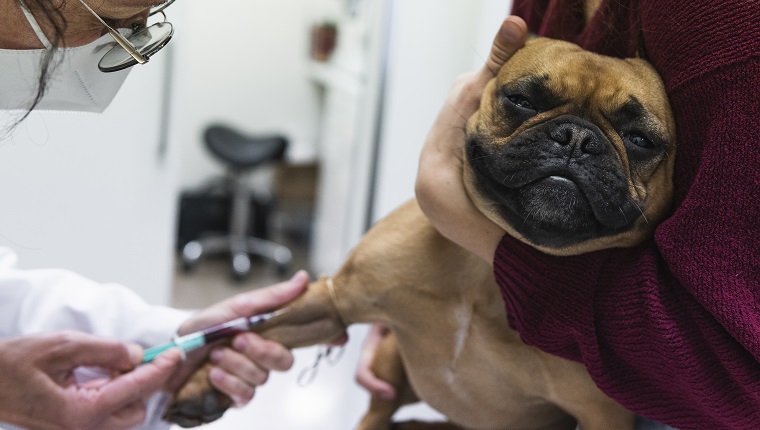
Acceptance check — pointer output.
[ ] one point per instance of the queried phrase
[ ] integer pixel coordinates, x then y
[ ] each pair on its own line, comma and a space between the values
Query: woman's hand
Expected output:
39, 390
440, 187
364, 375
239, 369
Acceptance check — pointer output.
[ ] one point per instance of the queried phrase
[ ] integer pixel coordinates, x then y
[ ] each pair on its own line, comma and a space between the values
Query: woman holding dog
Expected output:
669, 328
54, 322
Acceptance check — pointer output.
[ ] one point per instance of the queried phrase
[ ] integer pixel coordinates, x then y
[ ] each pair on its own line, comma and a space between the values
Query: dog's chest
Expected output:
466, 364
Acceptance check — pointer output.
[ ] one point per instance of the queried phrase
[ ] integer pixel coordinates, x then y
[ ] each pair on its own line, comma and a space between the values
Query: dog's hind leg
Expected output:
387, 365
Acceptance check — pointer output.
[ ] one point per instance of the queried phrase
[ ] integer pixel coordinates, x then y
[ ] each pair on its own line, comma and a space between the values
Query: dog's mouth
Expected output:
548, 200
552, 203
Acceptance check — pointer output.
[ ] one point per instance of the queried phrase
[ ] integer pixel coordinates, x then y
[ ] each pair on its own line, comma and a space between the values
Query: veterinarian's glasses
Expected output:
138, 47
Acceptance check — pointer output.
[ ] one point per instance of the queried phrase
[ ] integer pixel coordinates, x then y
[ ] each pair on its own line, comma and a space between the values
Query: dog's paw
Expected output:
197, 402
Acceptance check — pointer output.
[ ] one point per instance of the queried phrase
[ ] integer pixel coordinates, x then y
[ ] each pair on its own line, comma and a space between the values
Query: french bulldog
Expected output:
569, 152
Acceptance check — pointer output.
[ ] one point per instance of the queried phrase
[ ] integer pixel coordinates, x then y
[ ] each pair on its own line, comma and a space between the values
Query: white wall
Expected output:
432, 42
94, 193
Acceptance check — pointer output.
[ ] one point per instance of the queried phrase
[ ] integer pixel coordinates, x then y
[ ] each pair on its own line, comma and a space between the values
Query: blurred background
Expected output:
352, 86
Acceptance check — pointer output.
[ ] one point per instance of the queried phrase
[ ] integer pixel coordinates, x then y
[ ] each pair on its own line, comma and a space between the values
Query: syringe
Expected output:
198, 339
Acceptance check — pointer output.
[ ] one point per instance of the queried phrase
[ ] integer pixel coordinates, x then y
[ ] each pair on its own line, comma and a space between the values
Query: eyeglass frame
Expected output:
128, 46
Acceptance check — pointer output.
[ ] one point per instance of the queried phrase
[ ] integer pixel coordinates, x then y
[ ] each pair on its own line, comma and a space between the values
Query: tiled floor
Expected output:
332, 401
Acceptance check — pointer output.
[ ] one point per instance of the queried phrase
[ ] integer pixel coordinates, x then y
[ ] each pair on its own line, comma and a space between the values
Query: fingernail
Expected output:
168, 359
511, 32
135, 353
216, 356
238, 402
299, 277
240, 343
216, 374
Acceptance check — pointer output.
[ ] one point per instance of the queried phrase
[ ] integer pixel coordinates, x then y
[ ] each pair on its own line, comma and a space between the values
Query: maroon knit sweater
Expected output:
671, 328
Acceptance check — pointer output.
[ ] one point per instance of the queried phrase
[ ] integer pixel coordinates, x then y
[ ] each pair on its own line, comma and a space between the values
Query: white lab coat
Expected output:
34, 301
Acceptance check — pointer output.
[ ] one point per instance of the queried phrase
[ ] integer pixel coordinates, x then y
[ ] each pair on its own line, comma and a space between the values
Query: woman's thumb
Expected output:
508, 40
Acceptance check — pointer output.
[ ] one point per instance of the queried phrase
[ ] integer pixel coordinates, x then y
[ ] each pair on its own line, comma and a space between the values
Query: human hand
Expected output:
439, 187
364, 375
39, 390
241, 367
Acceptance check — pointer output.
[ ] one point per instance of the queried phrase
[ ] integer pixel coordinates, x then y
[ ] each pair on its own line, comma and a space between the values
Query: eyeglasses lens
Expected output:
147, 41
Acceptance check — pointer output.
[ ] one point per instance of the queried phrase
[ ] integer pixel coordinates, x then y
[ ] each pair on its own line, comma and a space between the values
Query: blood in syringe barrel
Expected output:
228, 329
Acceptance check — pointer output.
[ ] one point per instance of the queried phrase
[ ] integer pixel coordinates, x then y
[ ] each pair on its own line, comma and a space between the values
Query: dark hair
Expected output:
47, 14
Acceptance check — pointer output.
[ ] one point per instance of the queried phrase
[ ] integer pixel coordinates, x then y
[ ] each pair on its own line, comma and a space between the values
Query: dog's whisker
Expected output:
643, 215
623, 213
527, 217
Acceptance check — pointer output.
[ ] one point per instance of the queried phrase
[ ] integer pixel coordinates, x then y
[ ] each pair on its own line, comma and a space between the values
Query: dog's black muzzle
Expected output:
558, 183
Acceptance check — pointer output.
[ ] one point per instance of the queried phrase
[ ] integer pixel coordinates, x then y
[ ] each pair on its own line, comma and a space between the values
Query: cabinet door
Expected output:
339, 182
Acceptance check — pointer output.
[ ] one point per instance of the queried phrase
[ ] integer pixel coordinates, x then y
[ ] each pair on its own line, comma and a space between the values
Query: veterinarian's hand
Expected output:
440, 188
364, 375
39, 390
241, 368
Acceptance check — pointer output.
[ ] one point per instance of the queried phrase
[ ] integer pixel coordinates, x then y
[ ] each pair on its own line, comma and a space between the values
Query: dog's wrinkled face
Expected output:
572, 151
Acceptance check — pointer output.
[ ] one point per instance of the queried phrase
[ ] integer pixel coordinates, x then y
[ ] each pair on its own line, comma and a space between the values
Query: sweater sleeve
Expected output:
671, 328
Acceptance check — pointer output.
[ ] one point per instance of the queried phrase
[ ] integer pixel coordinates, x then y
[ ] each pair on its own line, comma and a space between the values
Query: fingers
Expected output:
129, 416
247, 304
468, 88
139, 383
364, 375
268, 354
235, 375
510, 37
265, 299
71, 349
238, 390
119, 403
240, 370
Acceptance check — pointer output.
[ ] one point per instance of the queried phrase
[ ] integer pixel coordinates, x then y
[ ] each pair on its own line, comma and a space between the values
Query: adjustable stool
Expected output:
241, 154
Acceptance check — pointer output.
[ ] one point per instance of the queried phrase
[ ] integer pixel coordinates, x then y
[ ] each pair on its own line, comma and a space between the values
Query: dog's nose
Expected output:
577, 136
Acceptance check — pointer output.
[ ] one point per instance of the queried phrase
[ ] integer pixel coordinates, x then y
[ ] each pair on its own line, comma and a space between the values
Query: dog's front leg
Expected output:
311, 319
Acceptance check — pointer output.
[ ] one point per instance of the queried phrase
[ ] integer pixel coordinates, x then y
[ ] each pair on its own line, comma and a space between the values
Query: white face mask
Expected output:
75, 83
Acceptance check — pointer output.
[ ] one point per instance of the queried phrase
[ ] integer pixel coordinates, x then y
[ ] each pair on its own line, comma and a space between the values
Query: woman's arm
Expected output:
439, 187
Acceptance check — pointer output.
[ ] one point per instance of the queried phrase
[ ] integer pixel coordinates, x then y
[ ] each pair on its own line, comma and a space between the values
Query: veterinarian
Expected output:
670, 328
55, 326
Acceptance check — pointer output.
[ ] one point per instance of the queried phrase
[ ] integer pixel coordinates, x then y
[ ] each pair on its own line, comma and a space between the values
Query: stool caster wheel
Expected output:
283, 258
241, 266
191, 253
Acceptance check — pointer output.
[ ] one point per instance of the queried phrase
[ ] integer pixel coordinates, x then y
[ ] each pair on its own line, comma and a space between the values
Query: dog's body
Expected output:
450, 331
451, 344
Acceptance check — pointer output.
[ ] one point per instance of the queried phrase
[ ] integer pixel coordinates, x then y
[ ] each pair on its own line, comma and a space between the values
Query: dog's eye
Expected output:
638, 140
521, 101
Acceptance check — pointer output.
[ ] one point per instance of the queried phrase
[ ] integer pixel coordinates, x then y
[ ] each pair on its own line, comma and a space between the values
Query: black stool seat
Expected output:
241, 151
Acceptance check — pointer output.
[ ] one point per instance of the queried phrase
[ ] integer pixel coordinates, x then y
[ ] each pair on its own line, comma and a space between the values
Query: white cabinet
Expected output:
350, 87
344, 177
